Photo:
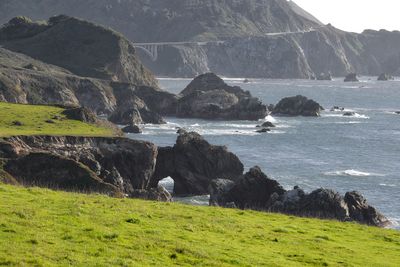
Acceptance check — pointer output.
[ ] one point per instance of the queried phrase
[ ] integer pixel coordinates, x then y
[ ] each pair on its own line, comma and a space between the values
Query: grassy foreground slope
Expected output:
34, 117
39, 227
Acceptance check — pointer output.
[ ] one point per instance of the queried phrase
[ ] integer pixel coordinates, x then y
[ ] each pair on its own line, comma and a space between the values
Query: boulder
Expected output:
351, 77
385, 77
81, 114
297, 106
193, 163
268, 124
218, 189
324, 76
209, 97
361, 211
252, 191
132, 129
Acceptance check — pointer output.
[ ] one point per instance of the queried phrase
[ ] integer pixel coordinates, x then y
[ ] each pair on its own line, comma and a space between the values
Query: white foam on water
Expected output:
388, 185
353, 173
270, 119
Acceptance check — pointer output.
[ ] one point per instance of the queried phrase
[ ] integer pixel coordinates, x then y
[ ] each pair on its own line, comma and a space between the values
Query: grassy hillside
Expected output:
44, 228
33, 119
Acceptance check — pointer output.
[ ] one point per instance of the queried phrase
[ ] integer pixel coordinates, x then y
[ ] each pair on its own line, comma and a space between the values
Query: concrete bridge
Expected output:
152, 49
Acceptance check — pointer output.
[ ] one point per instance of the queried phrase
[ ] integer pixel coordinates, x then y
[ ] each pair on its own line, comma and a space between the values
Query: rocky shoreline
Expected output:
122, 167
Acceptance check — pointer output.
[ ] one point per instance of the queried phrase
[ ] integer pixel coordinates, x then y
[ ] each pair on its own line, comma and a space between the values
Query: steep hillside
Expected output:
170, 20
243, 24
63, 229
81, 47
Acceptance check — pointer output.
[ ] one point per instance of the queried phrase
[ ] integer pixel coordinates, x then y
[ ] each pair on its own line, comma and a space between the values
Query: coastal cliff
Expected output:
308, 49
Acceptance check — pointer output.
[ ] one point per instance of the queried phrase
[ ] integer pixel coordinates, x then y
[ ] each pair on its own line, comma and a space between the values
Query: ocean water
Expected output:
360, 153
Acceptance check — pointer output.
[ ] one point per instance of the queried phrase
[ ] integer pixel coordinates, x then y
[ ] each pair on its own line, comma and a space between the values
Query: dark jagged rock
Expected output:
361, 211
193, 163
123, 163
268, 124
351, 77
297, 106
324, 76
218, 189
132, 129
385, 77
256, 191
253, 190
56, 172
81, 114
209, 97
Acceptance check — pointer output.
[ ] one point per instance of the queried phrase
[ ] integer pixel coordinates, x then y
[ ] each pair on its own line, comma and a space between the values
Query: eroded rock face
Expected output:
125, 164
57, 172
193, 163
209, 97
298, 106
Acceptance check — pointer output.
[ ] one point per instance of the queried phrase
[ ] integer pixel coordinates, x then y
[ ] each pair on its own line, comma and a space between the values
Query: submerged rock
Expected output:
298, 106
263, 130
351, 77
268, 124
209, 97
349, 114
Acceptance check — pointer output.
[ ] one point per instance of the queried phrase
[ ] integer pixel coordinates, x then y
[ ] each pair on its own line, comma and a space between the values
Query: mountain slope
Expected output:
170, 20
243, 24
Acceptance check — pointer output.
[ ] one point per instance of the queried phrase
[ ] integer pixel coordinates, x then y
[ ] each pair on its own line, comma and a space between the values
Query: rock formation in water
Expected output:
193, 163
256, 191
351, 77
297, 106
312, 48
209, 97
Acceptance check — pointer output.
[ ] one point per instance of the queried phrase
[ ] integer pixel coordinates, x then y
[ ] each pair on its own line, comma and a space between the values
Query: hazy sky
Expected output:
355, 15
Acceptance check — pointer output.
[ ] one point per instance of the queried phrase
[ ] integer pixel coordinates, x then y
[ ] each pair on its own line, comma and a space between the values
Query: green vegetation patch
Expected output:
17, 119
39, 227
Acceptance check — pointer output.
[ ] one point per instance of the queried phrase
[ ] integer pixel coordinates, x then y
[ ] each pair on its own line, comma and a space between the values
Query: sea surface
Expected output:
360, 152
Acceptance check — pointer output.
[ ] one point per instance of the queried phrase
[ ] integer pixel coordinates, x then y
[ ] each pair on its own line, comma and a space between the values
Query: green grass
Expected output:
33, 118
39, 227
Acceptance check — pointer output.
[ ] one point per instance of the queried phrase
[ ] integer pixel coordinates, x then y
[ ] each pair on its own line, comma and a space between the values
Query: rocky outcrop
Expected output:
297, 106
80, 163
193, 163
256, 191
351, 77
209, 97
81, 47
132, 129
81, 114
